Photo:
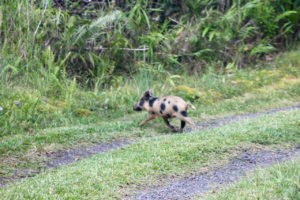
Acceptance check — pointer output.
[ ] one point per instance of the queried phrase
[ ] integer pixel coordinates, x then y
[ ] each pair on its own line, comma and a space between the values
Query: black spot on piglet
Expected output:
162, 107
151, 101
175, 108
183, 113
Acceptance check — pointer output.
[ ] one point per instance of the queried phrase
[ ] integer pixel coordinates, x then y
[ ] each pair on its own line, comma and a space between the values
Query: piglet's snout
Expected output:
136, 107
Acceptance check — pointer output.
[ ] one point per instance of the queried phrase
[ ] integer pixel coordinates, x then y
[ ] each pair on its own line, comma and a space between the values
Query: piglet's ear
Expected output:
147, 95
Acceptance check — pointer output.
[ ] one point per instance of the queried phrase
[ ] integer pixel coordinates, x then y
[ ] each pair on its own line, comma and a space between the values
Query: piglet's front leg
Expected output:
149, 117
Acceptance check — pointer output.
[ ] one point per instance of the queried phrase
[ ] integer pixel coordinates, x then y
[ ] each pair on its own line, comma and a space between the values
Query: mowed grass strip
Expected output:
127, 127
281, 181
110, 175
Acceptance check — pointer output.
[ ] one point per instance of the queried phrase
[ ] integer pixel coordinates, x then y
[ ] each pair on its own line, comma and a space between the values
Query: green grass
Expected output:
281, 181
126, 127
53, 124
105, 176
28, 150
45, 124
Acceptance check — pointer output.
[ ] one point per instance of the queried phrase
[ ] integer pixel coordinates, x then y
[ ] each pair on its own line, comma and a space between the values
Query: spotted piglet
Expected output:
166, 107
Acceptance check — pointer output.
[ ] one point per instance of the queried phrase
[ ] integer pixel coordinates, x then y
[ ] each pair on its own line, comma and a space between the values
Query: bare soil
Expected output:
71, 155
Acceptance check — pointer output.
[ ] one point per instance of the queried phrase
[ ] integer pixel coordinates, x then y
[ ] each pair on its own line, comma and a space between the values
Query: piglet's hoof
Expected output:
174, 130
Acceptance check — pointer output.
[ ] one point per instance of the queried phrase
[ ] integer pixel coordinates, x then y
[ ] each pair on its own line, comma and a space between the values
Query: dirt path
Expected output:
234, 118
65, 157
72, 155
196, 185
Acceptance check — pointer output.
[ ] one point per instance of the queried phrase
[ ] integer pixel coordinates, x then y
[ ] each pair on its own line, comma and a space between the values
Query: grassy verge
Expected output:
29, 150
30, 108
104, 176
278, 182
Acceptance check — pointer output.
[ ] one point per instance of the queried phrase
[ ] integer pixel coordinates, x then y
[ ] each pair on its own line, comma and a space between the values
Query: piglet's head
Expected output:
139, 106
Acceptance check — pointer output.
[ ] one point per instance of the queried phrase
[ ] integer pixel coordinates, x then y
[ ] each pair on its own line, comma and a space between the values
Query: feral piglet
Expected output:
166, 107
